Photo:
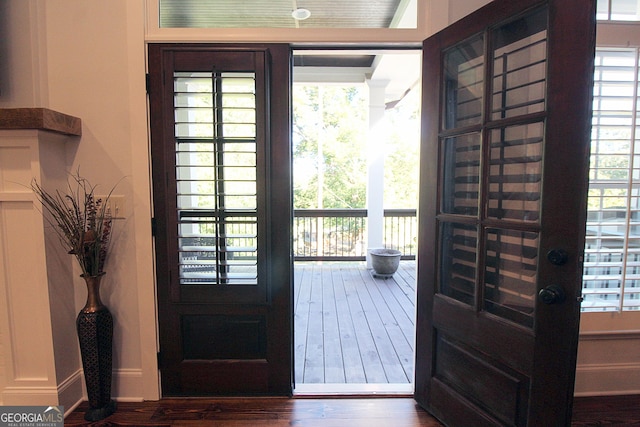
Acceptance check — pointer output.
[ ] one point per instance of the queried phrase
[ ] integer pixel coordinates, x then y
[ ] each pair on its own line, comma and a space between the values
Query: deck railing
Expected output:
341, 234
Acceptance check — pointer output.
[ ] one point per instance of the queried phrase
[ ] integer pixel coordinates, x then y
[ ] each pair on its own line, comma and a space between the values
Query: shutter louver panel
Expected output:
515, 172
216, 174
458, 269
464, 79
611, 275
519, 67
492, 169
462, 160
511, 274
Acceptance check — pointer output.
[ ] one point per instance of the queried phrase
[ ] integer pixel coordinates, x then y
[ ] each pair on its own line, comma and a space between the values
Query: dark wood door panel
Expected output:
457, 410
231, 377
472, 327
236, 337
504, 175
499, 390
220, 144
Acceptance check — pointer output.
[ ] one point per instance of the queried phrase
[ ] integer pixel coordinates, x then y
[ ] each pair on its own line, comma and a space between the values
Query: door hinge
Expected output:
154, 226
148, 83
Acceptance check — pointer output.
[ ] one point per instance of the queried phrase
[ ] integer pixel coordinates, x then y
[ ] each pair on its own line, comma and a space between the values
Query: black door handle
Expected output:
558, 256
552, 294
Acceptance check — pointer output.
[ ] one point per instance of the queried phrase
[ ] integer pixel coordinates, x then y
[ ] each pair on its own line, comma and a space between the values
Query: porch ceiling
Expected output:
400, 70
277, 13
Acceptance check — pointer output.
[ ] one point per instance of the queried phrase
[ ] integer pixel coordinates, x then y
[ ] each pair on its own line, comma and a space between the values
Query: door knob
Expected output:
558, 256
552, 294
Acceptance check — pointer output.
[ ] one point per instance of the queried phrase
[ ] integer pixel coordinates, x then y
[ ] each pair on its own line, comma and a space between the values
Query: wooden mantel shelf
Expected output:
40, 119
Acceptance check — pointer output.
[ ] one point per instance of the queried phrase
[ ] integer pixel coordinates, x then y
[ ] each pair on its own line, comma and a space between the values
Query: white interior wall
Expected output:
87, 59
96, 67
19, 53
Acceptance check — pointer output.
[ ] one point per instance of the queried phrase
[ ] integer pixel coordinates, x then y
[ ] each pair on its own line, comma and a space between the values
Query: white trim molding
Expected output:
608, 363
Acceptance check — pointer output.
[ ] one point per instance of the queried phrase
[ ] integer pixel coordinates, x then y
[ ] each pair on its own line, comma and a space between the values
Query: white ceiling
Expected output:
400, 70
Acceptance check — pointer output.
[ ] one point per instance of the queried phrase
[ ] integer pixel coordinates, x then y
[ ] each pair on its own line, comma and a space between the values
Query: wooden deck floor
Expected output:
352, 328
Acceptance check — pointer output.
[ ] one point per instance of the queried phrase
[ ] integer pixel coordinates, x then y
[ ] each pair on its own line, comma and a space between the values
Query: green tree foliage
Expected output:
401, 168
330, 128
329, 140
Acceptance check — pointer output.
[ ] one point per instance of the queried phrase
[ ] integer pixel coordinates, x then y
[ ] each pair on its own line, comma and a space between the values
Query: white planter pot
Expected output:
385, 262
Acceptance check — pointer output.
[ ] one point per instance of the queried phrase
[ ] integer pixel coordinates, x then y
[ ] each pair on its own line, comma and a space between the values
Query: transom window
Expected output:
287, 14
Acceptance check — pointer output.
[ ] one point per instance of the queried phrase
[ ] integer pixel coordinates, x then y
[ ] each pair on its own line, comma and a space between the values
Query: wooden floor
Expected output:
356, 412
352, 328
259, 412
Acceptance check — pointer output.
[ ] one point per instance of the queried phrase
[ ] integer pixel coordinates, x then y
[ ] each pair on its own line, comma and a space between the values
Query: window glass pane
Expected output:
625, 10
280, 14
519, 67
612, 252
458, 266
216, 178
510, 275
631, 295
464, 84
602, 277
515, 174
461, 170
618, 10
602, 8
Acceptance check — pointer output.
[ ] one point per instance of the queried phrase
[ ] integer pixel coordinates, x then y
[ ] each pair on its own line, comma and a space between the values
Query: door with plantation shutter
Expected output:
222, 206
506, 121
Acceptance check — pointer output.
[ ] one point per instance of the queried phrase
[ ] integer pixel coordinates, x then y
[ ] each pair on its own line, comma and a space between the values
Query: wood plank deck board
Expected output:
352, 328
394, 308
314, 354
354, 371
333, 363
399, 328
302, 293
374, 371
374, 306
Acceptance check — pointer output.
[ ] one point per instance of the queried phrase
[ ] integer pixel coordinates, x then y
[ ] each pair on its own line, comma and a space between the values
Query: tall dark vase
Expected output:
95, 333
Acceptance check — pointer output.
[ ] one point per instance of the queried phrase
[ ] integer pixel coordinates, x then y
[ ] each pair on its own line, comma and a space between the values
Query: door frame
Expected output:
293, 46
364, 389
276, 377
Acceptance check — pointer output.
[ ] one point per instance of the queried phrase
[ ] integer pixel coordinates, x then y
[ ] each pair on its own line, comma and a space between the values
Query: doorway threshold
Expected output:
400, 390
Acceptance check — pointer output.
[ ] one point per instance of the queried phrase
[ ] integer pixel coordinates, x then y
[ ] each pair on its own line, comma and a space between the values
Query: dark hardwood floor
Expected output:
258, 412
330, 412
606, 411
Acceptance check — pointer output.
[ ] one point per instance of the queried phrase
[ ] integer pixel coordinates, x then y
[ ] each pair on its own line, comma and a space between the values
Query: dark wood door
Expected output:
220, 146
506, 119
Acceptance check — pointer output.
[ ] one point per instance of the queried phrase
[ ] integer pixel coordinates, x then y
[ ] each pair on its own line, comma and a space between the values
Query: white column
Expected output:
39, 357
26, 330
375, 153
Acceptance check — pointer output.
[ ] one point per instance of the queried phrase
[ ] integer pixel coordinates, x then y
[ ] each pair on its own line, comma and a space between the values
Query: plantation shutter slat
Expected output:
216, 158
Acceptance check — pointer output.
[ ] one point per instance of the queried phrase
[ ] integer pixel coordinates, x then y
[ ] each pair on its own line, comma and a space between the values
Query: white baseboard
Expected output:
71, 391
126, 386
29, 395
609, 379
